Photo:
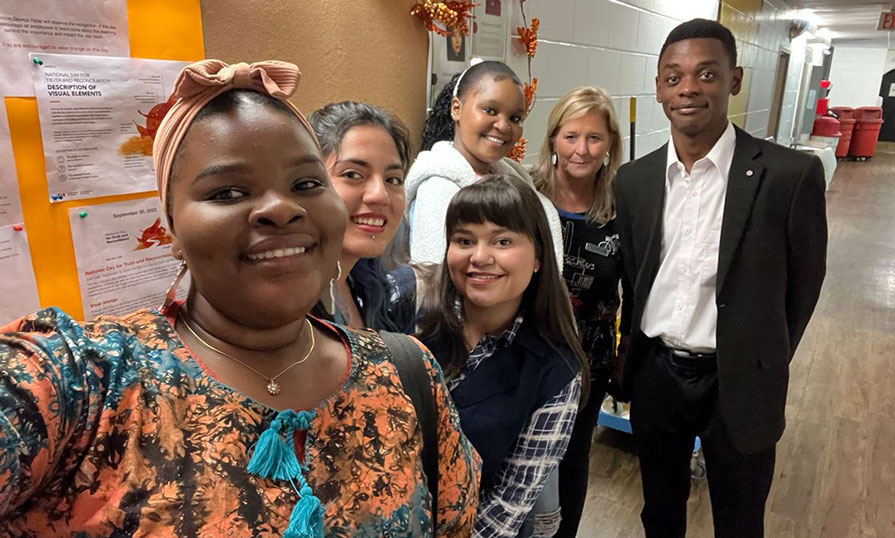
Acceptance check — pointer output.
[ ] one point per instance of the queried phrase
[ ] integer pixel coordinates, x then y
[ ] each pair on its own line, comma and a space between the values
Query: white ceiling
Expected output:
850, 20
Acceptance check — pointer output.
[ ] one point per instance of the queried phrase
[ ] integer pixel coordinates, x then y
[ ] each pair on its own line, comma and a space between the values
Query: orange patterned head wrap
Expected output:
201, 82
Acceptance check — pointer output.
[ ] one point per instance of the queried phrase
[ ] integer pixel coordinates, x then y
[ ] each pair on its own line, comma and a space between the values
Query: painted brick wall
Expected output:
610, 44
761, 30
614, 44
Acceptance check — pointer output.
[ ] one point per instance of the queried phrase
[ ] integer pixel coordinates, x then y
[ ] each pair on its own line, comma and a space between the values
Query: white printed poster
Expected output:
98, 119
123, 254
10, 206
490, 38
87, 27
18, 290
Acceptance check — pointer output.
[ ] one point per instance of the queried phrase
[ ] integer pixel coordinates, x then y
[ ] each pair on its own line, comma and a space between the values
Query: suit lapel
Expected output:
743, 180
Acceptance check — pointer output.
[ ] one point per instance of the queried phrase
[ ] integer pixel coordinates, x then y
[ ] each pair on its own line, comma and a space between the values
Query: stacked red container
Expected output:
869, 121
825, 126
846, 126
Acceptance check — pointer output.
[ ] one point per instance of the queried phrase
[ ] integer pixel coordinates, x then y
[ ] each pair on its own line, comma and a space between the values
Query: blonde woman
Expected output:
582, 151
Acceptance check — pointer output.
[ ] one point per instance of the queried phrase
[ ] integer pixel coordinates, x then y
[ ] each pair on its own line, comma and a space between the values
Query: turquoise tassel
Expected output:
307, 516
273, 458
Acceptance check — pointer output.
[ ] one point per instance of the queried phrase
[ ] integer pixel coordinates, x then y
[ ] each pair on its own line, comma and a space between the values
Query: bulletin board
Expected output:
158, 29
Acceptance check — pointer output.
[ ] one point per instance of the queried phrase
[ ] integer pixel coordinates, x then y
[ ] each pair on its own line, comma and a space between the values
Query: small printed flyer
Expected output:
490, 38
87, 27
123, 254
98, 119
10, 206
18, 290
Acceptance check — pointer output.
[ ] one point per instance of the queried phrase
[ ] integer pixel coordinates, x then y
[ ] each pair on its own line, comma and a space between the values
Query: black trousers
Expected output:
575, 465
673, 400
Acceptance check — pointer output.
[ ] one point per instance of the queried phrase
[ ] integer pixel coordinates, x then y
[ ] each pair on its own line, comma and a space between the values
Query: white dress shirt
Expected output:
681, 308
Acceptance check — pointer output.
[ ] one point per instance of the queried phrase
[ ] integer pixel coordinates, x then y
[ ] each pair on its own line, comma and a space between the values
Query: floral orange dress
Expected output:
113, 428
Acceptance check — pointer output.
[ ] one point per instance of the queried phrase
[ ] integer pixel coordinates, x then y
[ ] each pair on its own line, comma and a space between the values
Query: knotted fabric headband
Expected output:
201, 82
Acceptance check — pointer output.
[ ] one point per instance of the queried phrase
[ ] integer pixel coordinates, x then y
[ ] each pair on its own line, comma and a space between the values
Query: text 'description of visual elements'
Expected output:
98, 119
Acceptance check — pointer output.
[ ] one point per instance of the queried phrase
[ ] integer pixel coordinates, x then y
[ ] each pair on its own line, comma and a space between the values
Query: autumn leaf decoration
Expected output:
529, 90
529, 36
440, 17
518, 151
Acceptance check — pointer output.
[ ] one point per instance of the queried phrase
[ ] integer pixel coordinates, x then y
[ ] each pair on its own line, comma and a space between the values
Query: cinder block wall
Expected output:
615, 44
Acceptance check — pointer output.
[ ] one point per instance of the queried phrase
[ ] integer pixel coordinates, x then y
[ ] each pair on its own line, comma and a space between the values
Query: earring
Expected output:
553, 159
332, 286
171, 293
606, 159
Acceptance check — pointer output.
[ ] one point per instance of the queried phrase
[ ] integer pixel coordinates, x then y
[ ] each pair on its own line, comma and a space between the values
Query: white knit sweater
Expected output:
432, 181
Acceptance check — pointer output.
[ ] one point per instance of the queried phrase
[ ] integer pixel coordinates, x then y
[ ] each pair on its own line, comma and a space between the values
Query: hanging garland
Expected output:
528, 37
441, 17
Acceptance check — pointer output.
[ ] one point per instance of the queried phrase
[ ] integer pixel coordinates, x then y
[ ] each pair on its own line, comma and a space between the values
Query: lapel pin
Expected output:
748, 173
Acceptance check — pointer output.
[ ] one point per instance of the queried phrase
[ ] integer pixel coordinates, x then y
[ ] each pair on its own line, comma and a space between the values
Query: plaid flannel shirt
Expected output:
504, 506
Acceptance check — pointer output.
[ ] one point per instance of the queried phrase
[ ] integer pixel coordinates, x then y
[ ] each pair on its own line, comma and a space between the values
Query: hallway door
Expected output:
887, 91
777, 100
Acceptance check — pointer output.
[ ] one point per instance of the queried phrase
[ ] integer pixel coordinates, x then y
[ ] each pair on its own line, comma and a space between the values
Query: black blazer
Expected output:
771, 265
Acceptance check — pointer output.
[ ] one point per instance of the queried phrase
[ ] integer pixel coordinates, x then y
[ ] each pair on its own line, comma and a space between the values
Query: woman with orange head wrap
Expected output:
232, 412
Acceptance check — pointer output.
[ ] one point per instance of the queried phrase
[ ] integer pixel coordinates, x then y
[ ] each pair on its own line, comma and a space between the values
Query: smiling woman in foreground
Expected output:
233, 413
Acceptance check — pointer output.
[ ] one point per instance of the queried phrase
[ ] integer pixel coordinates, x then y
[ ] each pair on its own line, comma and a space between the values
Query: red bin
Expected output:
864, 137
846, 126
869, 113
825, 126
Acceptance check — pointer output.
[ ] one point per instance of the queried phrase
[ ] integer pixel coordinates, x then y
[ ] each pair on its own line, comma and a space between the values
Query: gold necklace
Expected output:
272, 386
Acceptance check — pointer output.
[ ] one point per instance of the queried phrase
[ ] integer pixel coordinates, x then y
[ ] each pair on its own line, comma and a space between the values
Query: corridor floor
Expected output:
835, 474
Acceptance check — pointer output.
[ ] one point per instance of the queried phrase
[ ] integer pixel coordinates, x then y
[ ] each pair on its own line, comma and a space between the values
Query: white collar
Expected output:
721, 154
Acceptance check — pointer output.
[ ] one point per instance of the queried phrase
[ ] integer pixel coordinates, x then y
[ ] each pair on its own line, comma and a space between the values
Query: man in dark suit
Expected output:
724, 239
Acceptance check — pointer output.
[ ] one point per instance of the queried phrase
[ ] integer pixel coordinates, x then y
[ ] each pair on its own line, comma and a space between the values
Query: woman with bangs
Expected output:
498, 320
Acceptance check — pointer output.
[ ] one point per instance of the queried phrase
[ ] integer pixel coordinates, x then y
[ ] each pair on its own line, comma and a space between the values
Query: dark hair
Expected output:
367, 279
222, 104
703, 28
333, 121
513, 204
439, 124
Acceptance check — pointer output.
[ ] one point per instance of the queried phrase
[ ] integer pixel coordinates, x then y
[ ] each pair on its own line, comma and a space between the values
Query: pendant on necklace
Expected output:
273, 388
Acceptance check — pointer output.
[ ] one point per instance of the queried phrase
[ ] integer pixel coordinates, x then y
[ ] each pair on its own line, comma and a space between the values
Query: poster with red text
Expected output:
123, 254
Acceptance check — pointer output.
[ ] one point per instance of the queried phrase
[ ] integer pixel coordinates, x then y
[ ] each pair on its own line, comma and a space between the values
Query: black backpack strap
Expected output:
408, 359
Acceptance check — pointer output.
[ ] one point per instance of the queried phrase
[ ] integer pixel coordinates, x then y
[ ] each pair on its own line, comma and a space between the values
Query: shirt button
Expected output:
678, 307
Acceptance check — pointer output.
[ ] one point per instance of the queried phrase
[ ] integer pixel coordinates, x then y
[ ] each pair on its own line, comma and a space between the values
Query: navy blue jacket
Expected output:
498, 398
